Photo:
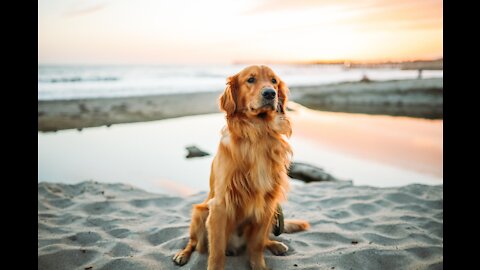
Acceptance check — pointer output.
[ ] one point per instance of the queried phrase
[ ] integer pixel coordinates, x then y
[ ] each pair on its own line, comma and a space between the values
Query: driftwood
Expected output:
308, 173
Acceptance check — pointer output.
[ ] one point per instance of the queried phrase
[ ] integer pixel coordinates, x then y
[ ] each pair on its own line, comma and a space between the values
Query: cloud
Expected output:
408, 9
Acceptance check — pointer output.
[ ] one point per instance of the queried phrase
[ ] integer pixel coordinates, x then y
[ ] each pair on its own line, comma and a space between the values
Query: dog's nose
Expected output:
268, 93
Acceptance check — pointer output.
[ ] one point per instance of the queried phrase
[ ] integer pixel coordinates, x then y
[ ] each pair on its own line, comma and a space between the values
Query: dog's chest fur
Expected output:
258, 177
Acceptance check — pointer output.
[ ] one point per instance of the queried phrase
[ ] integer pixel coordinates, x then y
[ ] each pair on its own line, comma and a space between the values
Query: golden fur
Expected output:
248, 174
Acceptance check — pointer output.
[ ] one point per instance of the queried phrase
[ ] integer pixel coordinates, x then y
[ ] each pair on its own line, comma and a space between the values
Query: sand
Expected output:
414, 98
80, 113
93, 225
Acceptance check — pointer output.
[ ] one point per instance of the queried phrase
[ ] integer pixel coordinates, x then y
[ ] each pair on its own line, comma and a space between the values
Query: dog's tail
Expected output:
295, 225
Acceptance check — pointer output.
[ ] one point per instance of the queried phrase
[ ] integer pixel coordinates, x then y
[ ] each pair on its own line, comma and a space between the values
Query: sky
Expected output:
229, 31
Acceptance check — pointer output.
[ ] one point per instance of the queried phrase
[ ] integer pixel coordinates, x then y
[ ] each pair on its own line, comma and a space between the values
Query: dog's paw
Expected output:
181, 258
259, 267
277, 248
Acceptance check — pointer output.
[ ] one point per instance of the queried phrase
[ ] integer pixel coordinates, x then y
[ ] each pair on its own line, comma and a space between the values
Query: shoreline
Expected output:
56, 115
420, 98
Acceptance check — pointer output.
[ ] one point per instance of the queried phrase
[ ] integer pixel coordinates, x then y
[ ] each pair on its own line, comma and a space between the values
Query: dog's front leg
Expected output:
257, 239
217, 235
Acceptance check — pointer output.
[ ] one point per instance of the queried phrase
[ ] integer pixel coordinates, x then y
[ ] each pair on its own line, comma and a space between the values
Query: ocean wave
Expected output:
60, 82
78, 79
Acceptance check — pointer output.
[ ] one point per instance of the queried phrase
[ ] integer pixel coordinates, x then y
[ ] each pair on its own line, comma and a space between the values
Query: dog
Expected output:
248, 177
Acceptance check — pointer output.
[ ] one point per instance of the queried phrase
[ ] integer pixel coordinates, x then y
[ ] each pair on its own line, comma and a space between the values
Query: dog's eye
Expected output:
251, 80
274, 80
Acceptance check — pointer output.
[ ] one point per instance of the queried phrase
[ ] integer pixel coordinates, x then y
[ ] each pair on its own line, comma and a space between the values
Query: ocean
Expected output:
63, 82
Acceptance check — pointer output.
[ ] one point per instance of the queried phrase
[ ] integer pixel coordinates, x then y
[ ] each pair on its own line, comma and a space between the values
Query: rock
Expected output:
365, 79
308, 173
194, 151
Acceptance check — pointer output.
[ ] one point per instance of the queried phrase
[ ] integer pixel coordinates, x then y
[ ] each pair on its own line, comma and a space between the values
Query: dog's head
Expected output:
256, 91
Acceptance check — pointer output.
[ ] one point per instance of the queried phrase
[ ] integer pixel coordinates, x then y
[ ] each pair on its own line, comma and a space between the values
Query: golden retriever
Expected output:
248, 176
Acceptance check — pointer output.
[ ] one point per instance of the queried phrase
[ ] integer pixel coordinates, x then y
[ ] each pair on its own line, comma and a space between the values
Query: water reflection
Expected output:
411, 143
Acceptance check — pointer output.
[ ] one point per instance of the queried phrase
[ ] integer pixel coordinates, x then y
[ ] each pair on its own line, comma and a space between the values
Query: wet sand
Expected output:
414, 98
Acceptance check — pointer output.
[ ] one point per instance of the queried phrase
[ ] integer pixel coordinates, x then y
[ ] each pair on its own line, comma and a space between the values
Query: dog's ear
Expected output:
282, 97
228, 100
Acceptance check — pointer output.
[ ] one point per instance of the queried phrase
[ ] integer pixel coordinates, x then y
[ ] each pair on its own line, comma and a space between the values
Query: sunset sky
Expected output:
226, 31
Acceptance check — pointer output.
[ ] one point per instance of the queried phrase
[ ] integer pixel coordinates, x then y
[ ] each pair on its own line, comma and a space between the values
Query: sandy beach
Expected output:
388, 216
93, 225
